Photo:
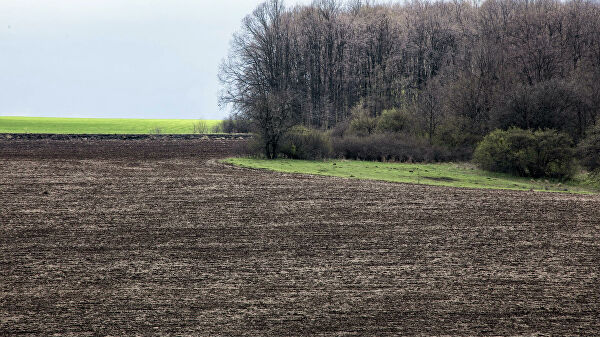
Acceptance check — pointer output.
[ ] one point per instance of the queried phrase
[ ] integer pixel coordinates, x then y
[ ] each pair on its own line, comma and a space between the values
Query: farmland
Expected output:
158, 237
104, 125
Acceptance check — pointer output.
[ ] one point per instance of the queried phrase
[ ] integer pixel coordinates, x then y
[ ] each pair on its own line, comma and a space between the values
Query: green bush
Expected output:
393, 120
589, 150
361, 122
303, 143
457, 134
546, 153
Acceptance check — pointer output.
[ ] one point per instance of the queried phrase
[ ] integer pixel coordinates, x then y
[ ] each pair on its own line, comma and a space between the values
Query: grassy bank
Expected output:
104, 125
447, 174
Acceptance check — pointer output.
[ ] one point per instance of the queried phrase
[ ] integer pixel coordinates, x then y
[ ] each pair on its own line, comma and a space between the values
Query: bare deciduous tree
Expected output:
258, 75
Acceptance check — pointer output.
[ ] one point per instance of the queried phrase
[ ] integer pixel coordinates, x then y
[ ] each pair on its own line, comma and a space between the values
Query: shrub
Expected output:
457, 134
388, 147
361, 123
594, 178
340, 129
218, 127
247, 148
546, 153
303, 143
201, 126
588, 150
239, 125
156, 131
253, 147
393, 120
555, 155
497, 152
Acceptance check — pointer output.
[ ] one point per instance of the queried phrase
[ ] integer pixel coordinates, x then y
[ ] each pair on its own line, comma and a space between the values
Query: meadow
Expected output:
440, 174
107, 125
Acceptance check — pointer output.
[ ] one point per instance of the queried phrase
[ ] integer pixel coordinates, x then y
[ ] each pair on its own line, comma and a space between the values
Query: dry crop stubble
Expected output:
158, 237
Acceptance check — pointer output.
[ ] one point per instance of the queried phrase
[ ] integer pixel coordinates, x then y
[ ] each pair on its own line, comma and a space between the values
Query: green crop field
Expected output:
447, 174
107, 125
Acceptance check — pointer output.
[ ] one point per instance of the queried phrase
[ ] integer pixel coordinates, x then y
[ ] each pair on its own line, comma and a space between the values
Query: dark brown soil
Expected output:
156, 237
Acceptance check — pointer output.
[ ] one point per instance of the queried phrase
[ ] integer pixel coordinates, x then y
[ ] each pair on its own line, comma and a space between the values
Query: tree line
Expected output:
449, 72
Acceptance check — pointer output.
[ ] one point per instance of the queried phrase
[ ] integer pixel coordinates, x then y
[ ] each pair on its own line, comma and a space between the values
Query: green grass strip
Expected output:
446, 174
103, 125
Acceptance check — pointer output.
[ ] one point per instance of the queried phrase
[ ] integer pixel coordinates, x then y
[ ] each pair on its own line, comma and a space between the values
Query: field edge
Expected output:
113, 126
523, 185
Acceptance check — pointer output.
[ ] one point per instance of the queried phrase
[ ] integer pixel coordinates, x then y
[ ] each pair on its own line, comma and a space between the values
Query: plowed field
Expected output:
156, 237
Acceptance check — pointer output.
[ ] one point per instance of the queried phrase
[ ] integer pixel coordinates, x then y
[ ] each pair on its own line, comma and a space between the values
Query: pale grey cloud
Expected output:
115, 58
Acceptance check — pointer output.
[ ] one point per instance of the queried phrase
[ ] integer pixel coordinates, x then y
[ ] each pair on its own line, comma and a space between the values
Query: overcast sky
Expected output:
115, 58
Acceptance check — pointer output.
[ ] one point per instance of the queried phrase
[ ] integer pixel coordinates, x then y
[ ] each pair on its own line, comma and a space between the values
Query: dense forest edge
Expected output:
512, 84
